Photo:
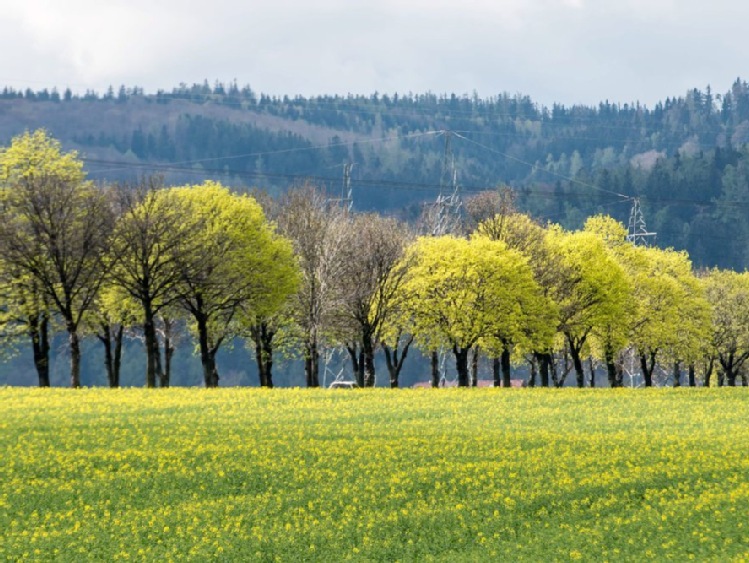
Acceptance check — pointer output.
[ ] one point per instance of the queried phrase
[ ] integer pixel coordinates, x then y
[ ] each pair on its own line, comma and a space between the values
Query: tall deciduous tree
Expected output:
371, 276
155, 237
25, 313
317, 230
54, 228
244, 264
728, 294
519, 232
589, 287
460, 291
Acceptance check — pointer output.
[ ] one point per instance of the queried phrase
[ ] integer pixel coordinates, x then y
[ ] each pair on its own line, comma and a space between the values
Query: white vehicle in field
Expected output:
343, 385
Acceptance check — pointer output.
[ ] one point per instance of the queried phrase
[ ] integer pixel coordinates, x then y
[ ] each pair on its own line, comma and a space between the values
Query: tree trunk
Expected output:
368, 357
729, 366
262, 335
259, 356
106, 339
165, 375
117, 360
709, 372
506, 366
533, 371
461, 365
611, 367
394, 363
592, 370
497, 372
647, 370
207, 356
575, 348
677, 374
312, 362
149, 332
475, 367
75, 356
692, 379
357, 363
39, 333
435, 368
544, 362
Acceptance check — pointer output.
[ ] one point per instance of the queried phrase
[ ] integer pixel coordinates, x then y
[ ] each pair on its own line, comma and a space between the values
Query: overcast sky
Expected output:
568, 51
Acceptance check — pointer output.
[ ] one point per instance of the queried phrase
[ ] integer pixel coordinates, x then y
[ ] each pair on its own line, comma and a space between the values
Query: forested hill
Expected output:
686, 158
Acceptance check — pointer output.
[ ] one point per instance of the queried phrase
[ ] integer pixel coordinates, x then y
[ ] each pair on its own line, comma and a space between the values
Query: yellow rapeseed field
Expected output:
373, 475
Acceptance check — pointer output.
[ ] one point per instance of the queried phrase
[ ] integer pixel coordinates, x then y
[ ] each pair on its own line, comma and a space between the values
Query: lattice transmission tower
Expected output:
637, 231
448, 206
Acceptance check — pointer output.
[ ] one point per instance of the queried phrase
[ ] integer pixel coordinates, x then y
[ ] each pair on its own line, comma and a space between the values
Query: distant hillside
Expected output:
686, 158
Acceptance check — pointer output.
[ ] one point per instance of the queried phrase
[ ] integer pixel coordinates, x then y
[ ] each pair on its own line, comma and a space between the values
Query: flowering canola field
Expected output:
375, 475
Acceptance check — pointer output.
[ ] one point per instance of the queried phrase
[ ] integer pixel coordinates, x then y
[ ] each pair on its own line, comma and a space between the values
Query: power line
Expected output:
550, 172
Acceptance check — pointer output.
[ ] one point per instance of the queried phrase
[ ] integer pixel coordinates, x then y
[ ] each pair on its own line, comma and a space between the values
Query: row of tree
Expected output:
303, 273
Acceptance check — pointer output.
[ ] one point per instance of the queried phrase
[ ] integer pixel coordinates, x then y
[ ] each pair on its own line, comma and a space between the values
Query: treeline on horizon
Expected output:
301, 274
685, 158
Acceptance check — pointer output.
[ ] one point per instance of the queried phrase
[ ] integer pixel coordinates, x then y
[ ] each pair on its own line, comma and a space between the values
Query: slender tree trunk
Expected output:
267, 334
611, 367
475, 367
647, 370
207, 356
692, 379
357, 362
577, 361
368, 356
461, 365
497, 371
149, 332
117, 360
39, 333
677, 374
106, 339
543, 359
259, 356
394, 363
75, 356
729, 370
435, 368
312, 362
165, 375
506, 366
533, 362
592, 370
262, 335
709, 372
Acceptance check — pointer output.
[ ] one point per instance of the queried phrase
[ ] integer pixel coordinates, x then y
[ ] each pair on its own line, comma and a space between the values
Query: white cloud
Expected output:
554, 50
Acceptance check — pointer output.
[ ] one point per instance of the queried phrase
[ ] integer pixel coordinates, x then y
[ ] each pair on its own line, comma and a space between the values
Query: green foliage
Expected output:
459, 292
728, 295
374, 475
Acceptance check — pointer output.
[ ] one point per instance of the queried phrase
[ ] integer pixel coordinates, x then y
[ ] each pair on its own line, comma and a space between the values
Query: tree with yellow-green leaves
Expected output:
728, 295
519, 232
154, 238
25, 314
238, 263
54, 229
588, 286
460, 291
670, 312
667, 315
